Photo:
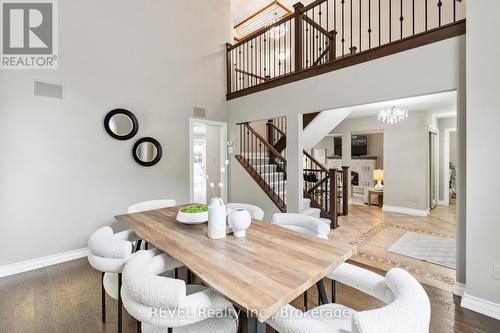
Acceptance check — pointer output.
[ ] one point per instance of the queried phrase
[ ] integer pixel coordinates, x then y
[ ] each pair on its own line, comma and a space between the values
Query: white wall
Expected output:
326, 143
415, 72
61, 175
375, 147
321, 125
483, 159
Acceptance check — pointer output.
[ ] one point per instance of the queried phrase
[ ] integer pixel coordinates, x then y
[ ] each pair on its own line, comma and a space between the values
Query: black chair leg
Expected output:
119, 303
334, 291
139, 327
176, 273
322, 292
189, 276
138, 245
240, 322
170, 330
146, 245
103, 299
305, 300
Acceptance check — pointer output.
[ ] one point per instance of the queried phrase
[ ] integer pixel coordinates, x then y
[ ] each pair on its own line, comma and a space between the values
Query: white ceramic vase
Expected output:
239, 220
216, 219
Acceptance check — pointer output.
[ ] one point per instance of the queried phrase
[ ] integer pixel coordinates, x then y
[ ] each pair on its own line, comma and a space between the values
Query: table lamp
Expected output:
378, 175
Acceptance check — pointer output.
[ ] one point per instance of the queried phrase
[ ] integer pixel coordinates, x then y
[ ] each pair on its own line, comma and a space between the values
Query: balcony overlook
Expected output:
327, 35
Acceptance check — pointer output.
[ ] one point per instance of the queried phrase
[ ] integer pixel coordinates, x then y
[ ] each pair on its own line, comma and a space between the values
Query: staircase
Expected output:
320, 183
264, 158
262, 153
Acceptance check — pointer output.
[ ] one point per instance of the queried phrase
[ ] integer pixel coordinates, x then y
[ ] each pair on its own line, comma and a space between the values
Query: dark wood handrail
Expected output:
318, 184
237, 70
313, 4
283, 20
318, 27
265, 143
315, 161
276, 128
320, 57
313, 170
290, 55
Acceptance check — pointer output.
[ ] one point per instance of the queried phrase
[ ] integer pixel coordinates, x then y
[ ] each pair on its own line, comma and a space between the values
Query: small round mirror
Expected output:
147, 151
121, 124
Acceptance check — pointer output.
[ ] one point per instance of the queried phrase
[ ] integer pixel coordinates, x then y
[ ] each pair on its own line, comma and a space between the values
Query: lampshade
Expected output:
378, 174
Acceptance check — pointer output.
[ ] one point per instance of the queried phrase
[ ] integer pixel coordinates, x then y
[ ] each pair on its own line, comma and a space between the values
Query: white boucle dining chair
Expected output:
345, 273
255, 212
108, 254
408, 311
163, 304
150, 205
305, 224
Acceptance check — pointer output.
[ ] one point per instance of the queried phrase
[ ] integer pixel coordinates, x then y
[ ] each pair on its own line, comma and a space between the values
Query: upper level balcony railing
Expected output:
331, 34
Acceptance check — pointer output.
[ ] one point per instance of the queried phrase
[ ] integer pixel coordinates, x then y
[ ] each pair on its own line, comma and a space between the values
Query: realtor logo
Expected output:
29, 34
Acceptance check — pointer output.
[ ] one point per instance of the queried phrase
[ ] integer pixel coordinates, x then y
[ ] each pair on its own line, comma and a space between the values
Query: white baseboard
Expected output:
480, 305
443, 203
459, 289
29, 265
405, 210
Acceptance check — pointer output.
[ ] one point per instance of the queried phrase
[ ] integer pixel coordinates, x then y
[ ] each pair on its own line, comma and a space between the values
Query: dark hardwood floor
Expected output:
66, 298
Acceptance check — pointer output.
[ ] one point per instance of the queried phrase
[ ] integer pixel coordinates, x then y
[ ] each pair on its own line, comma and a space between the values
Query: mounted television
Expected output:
337, 144
359, 145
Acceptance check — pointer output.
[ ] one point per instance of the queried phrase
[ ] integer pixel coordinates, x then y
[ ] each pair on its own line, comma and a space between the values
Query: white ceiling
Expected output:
241, 9
440, 105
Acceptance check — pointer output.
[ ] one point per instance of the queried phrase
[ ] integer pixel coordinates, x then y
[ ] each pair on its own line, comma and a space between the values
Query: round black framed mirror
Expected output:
147, 151
121, 124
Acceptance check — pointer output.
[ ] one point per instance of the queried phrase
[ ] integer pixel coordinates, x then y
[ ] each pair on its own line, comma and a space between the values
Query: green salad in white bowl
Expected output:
193, 214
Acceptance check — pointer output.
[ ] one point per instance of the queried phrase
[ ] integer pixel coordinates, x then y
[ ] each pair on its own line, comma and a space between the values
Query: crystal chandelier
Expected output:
392, 116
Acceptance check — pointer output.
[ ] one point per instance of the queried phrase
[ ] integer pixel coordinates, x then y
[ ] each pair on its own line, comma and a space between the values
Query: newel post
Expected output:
298, 35
332, 46
332, 173
345, 190
228, 67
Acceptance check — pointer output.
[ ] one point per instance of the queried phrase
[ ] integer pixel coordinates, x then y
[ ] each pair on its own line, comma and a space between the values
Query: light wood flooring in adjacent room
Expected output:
374, 231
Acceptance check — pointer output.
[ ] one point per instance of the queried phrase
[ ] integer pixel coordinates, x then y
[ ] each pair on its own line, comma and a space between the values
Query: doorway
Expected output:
207, 145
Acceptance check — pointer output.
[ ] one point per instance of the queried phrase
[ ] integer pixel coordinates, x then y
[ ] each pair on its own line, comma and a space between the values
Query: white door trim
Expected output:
446, 166
223, 152
432, 130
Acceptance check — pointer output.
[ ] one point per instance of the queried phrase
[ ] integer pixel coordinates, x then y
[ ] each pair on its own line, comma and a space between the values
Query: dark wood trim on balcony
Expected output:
431, 36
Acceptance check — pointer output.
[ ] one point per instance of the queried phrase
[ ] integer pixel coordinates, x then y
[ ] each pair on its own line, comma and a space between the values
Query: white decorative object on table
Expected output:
239, 220
216, 219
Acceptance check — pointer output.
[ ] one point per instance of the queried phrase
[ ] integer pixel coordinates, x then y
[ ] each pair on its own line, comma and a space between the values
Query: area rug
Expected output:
437, 250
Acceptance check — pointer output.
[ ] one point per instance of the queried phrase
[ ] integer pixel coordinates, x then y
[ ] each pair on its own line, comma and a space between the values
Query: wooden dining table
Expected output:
259, 273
